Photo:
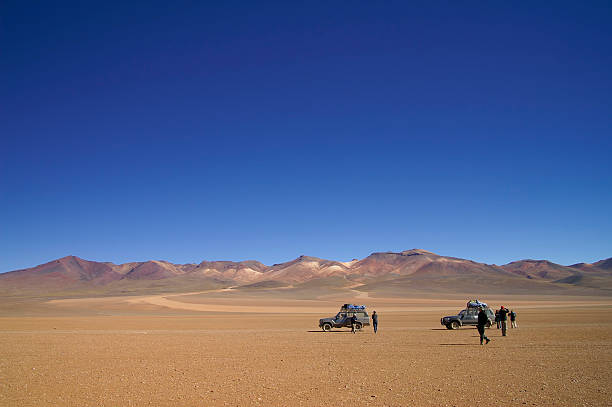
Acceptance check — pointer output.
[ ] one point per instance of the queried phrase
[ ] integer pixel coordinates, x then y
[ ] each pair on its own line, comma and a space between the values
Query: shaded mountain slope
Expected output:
600, 266
604, 264
539, 269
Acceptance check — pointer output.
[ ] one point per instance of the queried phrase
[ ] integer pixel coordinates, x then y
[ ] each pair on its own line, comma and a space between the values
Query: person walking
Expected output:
353, 323
375, 321
482, 323
503, 318
513, 319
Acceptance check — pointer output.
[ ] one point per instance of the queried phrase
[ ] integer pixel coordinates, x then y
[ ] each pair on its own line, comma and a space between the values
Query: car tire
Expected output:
448, 326
358, 326
488, 324
327, 327
455, 325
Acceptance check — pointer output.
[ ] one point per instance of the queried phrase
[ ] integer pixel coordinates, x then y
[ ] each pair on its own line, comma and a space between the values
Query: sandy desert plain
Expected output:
264, 348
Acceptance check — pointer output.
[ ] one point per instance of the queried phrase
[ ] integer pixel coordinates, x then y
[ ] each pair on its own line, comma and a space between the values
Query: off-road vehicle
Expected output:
468, 316
343, 318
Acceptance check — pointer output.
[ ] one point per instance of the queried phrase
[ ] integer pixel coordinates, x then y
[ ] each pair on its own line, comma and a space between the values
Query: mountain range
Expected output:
394, 273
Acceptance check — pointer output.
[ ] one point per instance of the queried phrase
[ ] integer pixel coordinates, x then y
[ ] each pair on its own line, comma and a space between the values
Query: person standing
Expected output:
375, 321
482, 323
497, 318
513, 319
503, 318
353, 323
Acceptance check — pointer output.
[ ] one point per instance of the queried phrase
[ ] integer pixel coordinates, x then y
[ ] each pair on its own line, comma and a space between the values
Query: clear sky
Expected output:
190, 131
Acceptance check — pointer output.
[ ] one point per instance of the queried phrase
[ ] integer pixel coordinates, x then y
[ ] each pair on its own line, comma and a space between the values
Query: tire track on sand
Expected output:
167, 302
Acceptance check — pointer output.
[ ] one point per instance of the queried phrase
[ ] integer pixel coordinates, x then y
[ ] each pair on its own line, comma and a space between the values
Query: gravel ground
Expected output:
557, 357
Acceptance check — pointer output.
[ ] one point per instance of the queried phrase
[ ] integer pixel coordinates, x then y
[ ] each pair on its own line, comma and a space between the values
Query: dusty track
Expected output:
202, 301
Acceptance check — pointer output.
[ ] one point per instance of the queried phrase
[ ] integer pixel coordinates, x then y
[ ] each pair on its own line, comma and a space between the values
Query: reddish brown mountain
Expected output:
539, 269
387, 271
305, 268
239, 272
604, 264
406, 262
421, 271
67, 272
154, 270
600, 266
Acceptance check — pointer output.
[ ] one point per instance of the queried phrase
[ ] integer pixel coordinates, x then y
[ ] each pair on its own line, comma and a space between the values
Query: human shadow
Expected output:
458, 344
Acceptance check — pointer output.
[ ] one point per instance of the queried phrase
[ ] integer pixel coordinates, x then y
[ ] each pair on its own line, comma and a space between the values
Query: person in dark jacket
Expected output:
503, 318
513, 319
353, 323
497, 318
375, 321
482, 323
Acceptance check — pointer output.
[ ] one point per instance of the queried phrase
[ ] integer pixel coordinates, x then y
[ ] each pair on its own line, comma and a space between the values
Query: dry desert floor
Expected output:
249, 350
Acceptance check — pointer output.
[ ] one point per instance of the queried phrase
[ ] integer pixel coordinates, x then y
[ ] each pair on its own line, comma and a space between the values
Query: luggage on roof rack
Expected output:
351, 307
476, 304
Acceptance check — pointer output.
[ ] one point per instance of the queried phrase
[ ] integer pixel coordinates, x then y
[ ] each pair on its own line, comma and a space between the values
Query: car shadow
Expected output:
331, 332
440, 329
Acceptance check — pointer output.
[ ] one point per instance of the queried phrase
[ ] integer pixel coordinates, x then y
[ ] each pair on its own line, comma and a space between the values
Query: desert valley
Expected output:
82, 333
198, 199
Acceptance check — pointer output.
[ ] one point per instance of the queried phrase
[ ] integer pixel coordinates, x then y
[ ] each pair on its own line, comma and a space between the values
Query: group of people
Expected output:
374, 322
501, 318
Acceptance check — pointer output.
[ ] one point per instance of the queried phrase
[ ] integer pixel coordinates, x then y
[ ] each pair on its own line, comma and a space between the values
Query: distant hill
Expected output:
539, 269
600, 266
604, 264
389, 273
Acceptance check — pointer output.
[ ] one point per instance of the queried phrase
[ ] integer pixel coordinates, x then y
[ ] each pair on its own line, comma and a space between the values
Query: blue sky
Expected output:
193, 131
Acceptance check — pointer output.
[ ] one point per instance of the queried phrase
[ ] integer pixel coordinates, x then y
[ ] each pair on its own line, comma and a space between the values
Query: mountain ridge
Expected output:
406, 269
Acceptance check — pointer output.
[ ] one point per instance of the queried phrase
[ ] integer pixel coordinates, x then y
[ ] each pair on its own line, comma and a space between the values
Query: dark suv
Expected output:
343, 318
468, 316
